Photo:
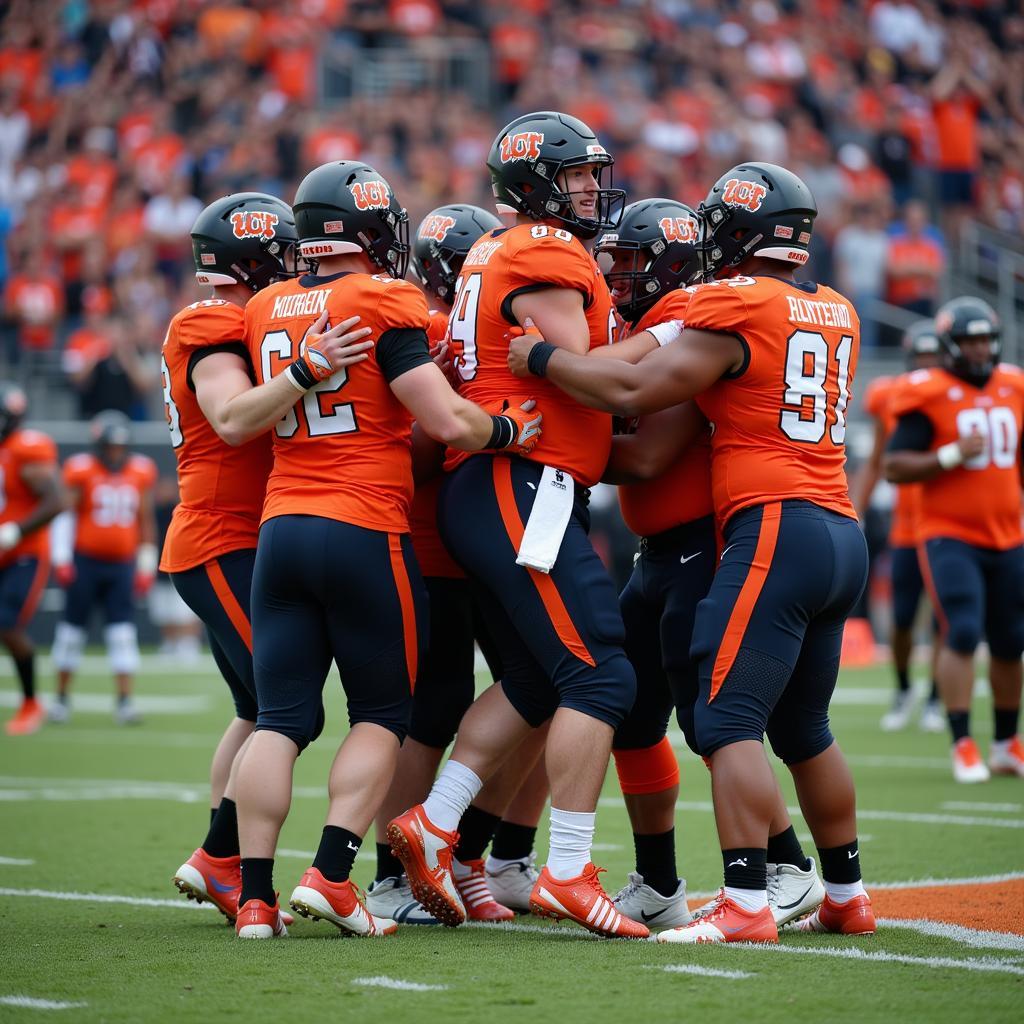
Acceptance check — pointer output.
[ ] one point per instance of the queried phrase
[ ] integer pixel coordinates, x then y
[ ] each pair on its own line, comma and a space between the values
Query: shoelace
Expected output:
774, 885
630, 889
718, 910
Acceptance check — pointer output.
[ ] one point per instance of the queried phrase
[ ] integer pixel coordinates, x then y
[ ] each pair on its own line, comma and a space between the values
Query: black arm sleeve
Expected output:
401, 349
234, 347
913, 433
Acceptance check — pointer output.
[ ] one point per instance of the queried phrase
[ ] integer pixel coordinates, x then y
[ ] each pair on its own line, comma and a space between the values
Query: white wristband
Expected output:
147, 559
10, 535
294, 381
667, 332
949, 455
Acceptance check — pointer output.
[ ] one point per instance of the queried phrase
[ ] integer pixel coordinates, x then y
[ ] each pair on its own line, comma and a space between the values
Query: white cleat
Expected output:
967, 763
393, 898
639, 902
512, 883
792, 893
933, 718
59, 712
1007, 757
897, 718
127, 713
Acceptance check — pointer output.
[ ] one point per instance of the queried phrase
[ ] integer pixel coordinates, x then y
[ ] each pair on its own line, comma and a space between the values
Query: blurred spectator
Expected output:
34, 301
860, 256
168, 218
915, 262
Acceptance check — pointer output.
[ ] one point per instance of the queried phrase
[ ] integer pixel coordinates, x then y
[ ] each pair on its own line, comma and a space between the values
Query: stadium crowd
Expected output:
120, 119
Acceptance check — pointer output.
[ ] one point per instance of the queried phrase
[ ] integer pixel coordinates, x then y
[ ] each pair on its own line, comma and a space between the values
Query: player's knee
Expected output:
650, 769
643, 727
1008, 644
68, 645
122, 647
797, 739
720, 723
963, 633
606, 692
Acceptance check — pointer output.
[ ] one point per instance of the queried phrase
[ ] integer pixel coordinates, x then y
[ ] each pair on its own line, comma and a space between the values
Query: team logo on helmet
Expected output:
371, 195
678, 229
254, 224
521, 146
744, 193
436, 227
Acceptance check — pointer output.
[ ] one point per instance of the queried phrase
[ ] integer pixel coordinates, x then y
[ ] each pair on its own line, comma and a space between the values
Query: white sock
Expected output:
572, 833
450, 795
495, 864
749, 899
842, 893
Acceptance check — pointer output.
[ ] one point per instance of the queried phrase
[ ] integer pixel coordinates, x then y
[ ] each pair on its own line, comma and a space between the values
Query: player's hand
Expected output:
10, 535
64, 574
526, 422
972, 445
520, 343
323, 352
143, 583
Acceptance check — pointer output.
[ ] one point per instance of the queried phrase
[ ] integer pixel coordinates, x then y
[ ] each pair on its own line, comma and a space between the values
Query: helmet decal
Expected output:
254, 224
678, 229
522, 146
371, 195
436, 227
749, 194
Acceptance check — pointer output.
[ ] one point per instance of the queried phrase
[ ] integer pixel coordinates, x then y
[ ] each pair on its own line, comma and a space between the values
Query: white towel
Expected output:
548, 519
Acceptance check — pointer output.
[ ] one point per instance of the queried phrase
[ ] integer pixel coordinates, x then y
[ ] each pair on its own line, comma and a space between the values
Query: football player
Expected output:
548, 601
770, 361
30, 496
958, 432
335, 576
104, 555
921, 345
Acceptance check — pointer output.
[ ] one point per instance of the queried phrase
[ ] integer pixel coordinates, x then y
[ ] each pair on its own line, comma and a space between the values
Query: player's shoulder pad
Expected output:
143, 465
916, 390
541, 254
1012, 375
35, 446
720, 305
400, 304
210, 322
79, 466
671, 306
878, 394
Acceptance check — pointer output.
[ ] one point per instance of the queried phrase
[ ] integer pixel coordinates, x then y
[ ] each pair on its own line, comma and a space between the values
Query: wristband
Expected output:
949, 455
540, 356
147, 559
503, 432
10, 535
300, 375
667, 332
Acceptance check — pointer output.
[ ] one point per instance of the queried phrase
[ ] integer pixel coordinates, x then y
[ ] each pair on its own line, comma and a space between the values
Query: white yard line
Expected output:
967, 805
706, 972
931, 883
396, 983
989, 964
147, 703
16, 862
973, 937
31, 1003
102, 897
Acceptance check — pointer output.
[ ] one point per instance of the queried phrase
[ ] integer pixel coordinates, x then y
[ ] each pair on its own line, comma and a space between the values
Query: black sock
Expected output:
475, 831
745, 868
388, 865
513, 842
26, 669
1006, 723
656, 861
903, 679
840, 864
785, 849
222, 839
213, 814
959, 724
258, 880
336, 853
933, 697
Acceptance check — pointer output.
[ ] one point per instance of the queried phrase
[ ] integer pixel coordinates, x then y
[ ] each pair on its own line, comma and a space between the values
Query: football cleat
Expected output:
726, 922
480, 904
967, 763
897, 717
28, 719
257, 920
426, 854
933, 717
854, 917
215, 879
1007, 757
392, 897
59, 712
340, 903
583, 900
512, 883
639, 902
792, 893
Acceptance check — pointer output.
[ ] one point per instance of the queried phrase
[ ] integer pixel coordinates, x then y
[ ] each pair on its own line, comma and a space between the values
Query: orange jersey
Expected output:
107, 511
344, 451
683, 492
221, 487
18, 450
978, 502
502, 264
779, 424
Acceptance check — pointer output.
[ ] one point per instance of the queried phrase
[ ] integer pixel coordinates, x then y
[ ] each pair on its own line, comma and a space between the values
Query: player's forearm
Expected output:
50, 505
460, 424
253, 412
607, 384
909, 467
632, 350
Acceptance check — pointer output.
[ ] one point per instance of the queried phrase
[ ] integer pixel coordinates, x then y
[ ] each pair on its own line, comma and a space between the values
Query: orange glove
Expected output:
517, 429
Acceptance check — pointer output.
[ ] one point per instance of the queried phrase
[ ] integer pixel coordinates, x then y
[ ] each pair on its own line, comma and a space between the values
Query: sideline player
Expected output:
921, 346
30, 496
770, 361
104, 555
959, 432
335, 576
559, 632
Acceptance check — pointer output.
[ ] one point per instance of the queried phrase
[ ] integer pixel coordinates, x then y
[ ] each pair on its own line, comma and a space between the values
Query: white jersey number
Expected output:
807, 366
114, 505
998, 427
170, 409
462, 324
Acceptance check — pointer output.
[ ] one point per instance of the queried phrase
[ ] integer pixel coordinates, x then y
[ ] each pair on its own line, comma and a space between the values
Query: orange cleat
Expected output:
257, 920
426, 854
583, 900
1007, 757
340, 903
968, 766
726, 922
854, 917
28, 719
217, 880
476, 895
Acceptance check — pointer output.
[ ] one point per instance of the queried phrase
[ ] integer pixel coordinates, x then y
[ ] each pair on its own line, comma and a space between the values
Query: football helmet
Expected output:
960, 320
13, 406
756, 209
920, 339
111, 434
247, 238
661, 236
526, 159
347, 207
443, 240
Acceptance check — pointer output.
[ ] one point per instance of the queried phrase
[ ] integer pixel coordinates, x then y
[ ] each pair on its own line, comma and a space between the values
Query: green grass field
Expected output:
94, 819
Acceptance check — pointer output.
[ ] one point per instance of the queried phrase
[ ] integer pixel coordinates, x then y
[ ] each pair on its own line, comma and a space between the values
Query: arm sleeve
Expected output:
913, 433
401, 349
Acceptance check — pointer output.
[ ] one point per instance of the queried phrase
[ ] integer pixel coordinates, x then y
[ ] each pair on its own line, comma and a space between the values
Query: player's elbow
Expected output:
448, 427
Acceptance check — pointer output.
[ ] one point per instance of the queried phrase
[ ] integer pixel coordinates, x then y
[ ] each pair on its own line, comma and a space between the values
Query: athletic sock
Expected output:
903, 679
656, 861
222, 839
785, 848
840, 864
388, 865
26, 669
513, 842
1006, 723
933, 697
213, 814
476, 827
746, 877
336, 853
959, 724
842, 893
453, 791
258, 880
572, 834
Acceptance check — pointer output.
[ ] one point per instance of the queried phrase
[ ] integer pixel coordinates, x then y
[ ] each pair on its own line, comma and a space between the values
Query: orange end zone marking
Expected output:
990, 906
